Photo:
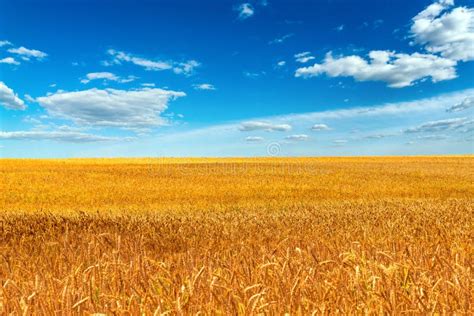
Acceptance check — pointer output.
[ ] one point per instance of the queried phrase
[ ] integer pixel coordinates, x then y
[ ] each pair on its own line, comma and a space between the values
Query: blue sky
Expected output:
236, 78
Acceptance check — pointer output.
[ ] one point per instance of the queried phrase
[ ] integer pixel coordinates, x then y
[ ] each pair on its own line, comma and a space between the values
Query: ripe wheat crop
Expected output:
237, 236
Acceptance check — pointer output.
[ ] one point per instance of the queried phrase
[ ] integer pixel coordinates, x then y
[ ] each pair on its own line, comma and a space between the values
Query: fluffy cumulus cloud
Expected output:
320, 127
128, 109
303, 57
442, 125
254, 139
106, 76
119, 57
204, 86
246, 10
63, 136
263, 126
9, 60
27, 53
9, 99
297, 137
444, 31
397, 70
467, 103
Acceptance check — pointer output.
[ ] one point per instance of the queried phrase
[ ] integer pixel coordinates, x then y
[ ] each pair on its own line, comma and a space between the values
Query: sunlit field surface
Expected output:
237, 236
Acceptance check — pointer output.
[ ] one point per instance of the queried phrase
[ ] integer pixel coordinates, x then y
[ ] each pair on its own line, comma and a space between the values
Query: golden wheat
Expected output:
237, 236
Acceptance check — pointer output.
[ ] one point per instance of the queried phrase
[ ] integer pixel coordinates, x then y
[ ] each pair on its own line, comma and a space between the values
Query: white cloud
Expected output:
375, 24
442, 125
9, 99
254, 139
339, 141
245, 10
4, 43
258, 125
253, 75
281, 63
29, 98
467, 103
280, 40
204, 86
339, 28
151, 85
9, 60
378, 136
186, 68
432, 137
303, 57
297, 137
106, 76
320, 127
63, 136
449, 33
397, 70
389, 109
381, 119
119, 57
127, 109
27, 53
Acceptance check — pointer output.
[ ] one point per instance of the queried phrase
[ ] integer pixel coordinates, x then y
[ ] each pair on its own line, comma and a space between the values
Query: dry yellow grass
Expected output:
237, 236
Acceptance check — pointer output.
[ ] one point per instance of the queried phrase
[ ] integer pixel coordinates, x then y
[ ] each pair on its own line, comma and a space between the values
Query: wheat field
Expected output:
386, 235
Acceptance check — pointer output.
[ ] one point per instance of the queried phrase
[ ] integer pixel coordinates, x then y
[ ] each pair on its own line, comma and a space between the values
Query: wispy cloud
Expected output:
297, 137
378, 136
246, 10
253, 75
265, 126
304, 57
106, 76
339, 28
63, 136
281, 39
186, 68
27, 53
204, 86
254, 139
152, 65
442, 125
467, 103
